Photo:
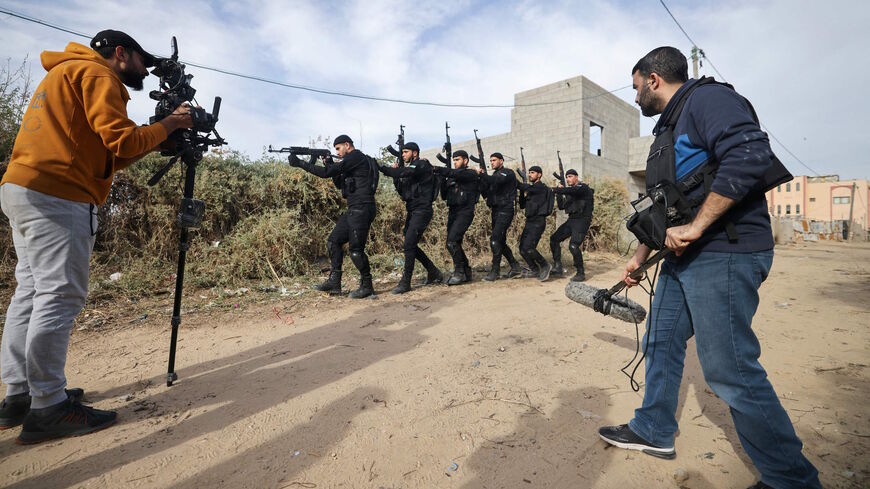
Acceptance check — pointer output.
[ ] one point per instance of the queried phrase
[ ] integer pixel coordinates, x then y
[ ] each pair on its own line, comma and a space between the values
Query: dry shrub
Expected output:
265, 216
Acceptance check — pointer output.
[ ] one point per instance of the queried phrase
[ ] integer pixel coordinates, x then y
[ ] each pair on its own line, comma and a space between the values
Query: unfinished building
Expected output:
596, 132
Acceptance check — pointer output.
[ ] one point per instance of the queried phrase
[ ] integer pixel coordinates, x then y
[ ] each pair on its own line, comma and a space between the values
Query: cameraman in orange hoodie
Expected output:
74, 136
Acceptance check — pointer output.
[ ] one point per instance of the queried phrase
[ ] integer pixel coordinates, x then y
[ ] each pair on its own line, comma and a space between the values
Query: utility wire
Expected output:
722, 77
326, 91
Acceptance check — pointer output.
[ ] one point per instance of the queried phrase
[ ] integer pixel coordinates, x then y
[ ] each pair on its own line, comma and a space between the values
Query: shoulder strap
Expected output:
678, 107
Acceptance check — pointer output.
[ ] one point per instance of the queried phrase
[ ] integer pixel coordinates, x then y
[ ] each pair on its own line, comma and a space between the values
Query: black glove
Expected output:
327, 160
294, 160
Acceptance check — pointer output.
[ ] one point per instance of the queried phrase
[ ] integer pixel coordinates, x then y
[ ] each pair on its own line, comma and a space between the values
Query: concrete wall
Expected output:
542, 129
638, 151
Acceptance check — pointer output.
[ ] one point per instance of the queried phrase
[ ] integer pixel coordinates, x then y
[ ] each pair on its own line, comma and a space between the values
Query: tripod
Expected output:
189, 217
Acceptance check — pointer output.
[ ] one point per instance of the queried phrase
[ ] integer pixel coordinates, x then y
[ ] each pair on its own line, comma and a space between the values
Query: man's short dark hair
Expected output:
106, 51
667, 62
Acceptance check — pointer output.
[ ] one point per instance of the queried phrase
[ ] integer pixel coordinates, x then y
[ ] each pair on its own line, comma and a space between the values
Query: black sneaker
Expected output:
14, 409
622, 437
66, 419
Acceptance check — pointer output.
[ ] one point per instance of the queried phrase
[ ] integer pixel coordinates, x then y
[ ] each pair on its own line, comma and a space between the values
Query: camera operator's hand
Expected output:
178, 119
636, 261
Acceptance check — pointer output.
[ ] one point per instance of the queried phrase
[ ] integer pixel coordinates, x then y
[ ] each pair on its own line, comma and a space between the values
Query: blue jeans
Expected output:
713, 296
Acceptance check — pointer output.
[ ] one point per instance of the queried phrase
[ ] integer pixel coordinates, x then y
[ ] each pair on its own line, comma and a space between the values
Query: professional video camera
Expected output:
187, 146
175, 89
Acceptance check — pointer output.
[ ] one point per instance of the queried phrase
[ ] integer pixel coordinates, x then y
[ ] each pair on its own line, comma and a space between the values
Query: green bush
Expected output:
265, 218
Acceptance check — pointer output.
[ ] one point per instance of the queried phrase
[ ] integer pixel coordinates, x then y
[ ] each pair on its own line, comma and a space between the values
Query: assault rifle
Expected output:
479, 160
400, 141
560, 176
447, 148
302, 150
523, 172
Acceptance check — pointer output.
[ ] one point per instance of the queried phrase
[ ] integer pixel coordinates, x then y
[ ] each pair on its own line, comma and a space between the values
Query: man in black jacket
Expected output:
461, 190
416, 185
577, 200
356, 175
501, 196
537, 199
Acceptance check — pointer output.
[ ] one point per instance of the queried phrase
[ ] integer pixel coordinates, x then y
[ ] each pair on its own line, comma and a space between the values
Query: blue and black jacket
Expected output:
717, 125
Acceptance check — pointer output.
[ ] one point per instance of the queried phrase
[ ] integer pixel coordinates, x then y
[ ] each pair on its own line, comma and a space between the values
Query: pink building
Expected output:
823, 198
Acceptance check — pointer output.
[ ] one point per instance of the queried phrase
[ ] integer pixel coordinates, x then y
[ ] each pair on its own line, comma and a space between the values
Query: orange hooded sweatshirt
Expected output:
76, 134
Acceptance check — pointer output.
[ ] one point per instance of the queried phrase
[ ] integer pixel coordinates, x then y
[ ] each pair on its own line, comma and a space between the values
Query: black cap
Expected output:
536, 168
461, 153
412, 147
497, 155
571, 172
112, 38
344, 138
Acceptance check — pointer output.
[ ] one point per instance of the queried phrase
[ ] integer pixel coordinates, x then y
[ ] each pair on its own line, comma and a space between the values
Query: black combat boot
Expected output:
515, 271
493, 274
468, 277
530, 273
365, 288
580, 276
557, 270
433, 277
404, 284
332, 284
458, 277
545, 271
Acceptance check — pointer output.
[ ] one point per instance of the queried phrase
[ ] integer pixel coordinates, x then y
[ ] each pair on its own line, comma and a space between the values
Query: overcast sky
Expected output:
802, 63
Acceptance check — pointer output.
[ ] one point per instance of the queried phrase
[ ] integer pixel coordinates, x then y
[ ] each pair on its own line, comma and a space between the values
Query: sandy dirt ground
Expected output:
483, 386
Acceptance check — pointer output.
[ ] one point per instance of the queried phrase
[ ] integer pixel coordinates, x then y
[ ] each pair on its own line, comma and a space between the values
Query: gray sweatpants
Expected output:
53, 240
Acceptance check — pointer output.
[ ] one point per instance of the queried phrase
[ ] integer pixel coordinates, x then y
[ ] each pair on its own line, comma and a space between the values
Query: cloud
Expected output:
799, 65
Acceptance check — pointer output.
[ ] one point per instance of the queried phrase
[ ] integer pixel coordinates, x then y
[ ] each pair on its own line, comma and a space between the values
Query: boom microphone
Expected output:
607, 302
620, 307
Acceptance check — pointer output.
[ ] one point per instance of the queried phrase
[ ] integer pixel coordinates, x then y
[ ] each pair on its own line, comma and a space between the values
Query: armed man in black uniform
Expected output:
357, 176
416, 185
461, 190
577, 200
501, 196
537, 199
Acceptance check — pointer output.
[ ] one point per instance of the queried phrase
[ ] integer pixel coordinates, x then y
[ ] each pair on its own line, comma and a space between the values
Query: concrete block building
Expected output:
595, 131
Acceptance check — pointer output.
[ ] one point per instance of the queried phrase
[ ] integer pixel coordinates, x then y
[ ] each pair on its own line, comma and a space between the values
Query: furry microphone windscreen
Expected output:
620, 307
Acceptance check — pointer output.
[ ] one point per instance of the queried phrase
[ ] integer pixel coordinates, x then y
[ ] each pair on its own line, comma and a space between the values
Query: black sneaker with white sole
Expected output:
621, 436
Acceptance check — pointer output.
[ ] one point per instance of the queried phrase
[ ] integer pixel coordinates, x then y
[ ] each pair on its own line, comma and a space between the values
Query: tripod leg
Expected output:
171, 376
